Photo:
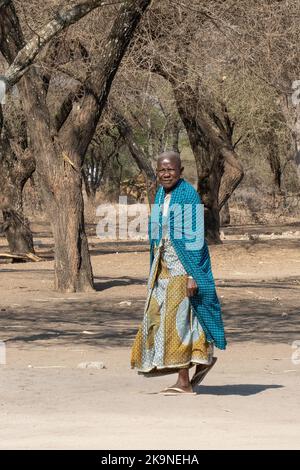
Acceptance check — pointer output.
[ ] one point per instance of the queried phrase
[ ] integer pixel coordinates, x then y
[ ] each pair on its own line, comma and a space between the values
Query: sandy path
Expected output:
249, 400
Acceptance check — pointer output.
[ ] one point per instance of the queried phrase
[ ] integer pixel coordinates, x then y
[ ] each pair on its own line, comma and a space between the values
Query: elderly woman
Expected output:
182, 317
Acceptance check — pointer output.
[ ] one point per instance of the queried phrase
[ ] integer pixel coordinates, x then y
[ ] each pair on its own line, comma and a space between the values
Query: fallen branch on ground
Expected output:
25, 256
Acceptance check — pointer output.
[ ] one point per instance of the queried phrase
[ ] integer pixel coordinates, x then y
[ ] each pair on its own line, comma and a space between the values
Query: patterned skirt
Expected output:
170, 336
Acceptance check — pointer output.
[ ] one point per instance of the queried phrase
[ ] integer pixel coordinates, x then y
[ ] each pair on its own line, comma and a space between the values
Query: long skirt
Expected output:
170, 336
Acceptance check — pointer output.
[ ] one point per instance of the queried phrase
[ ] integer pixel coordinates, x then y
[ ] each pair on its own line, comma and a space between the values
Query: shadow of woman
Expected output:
243, 390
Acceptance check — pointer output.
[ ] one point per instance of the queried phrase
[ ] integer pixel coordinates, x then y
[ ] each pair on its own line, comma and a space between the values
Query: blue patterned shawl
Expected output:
182, 225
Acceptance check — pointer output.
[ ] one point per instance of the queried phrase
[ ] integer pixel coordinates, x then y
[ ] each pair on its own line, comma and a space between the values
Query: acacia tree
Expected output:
17, 162
104, 147
168, 47
136, 120
138, 154
197, 44
60, 144
264, 45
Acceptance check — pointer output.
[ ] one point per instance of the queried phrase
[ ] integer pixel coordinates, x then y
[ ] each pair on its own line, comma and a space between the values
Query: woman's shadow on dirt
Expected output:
243, 390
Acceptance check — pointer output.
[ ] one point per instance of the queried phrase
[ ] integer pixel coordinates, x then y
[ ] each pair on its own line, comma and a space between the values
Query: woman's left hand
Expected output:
191, 287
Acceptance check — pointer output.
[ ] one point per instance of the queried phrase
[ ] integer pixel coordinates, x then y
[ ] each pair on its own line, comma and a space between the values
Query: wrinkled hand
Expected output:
191, 287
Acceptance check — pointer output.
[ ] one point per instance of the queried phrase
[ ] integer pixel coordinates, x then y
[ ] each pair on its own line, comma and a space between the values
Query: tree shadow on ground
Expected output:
116, 282
110, 323
263, 317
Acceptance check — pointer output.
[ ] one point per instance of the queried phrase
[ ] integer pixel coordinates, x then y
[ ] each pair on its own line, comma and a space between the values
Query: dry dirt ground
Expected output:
249, 400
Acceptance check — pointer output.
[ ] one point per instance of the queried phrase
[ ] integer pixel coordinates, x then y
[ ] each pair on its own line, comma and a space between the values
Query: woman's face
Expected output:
168, 172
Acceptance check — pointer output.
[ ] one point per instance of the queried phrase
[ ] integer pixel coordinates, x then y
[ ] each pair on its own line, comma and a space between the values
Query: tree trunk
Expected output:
210, 135
225, 215
14, 172
209, 177
274, 160
59, 179
219, 171
17, 231
291, 110
175, 134
296, 135
60, 152
232, 176
143, 161
73, 271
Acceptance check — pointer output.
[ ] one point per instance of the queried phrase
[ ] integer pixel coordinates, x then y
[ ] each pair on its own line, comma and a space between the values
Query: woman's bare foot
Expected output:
183, 381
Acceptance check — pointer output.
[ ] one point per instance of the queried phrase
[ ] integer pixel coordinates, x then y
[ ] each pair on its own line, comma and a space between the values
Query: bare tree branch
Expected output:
3, 3
98, 83
63, 18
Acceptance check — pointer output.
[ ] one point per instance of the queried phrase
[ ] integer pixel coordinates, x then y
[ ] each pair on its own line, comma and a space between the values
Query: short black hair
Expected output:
170, 155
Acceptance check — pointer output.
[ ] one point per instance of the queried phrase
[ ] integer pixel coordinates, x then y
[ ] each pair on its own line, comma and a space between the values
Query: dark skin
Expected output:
169, 170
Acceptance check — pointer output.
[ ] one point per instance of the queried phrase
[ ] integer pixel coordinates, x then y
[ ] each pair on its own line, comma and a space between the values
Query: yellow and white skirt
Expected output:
170, 336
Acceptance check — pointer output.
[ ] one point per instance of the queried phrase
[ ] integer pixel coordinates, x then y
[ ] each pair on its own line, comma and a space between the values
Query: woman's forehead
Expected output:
171, 162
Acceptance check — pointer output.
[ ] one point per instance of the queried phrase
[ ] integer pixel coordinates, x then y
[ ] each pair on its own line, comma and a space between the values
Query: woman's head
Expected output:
169, 169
